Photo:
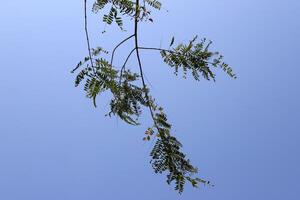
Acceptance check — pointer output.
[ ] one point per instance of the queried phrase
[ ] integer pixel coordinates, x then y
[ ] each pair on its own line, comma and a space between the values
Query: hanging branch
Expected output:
114, 50
129, 98
87, 34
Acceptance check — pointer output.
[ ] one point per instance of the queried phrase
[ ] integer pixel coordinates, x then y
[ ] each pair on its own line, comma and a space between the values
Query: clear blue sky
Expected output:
243, 134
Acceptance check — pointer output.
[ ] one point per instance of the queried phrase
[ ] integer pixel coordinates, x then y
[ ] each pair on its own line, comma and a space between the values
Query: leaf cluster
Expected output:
127, 96
119, 8
196, 58
167, 156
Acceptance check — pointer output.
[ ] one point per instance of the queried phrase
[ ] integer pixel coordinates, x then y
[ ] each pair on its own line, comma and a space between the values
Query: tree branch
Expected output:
124, 65
113, 52
136, 19
87, 35
156, 49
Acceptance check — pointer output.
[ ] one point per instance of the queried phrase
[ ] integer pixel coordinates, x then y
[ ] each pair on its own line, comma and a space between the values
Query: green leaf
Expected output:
172, 41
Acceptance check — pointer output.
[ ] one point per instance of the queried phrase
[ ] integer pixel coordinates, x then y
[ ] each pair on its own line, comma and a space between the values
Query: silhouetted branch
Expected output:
113, 52
87, 34
124, 65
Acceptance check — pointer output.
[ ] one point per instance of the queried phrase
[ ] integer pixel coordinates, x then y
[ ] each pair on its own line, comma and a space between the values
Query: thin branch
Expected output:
141, 68
137, 4
113, 52
124, 65
87, 34
156, 49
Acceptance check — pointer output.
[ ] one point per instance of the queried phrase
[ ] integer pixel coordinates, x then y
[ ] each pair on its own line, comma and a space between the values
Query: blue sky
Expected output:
243, 134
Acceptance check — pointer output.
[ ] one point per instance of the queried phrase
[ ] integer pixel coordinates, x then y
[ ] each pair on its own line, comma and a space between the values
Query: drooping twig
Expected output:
136, 20
124, 65
157, 49
87, 35
113, 52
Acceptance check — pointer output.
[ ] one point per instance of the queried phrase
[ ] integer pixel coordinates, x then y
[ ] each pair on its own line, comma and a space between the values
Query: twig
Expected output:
124, 65
141, 70
113, 52
156, 49
87, 34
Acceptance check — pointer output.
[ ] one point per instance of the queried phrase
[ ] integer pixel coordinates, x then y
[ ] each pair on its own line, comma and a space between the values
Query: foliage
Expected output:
129, 97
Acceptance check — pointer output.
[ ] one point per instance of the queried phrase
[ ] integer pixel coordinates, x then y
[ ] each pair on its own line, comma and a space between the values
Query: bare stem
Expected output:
124, 65
87, 34
114, 51
156, 49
